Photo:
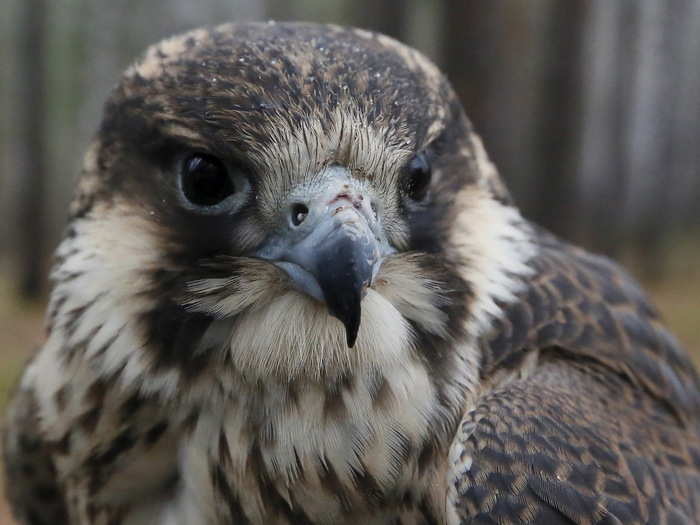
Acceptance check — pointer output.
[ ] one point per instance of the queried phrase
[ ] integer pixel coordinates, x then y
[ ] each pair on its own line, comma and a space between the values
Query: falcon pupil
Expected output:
419, 174
205, 180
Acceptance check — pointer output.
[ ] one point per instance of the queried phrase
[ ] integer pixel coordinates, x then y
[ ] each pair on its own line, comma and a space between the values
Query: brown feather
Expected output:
603, 428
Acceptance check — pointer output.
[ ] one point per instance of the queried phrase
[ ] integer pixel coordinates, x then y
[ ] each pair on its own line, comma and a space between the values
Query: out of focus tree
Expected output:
493, 54
469, 49
558, 117
32, 154
608, 68
8, 163
522, 93
323, 11
280, 10
387, 16
666, 82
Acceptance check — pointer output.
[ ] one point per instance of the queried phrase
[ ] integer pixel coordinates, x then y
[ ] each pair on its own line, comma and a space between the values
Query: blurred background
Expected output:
590, 108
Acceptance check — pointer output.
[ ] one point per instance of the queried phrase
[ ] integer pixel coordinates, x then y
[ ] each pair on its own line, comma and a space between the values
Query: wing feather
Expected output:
564, 446
603, 428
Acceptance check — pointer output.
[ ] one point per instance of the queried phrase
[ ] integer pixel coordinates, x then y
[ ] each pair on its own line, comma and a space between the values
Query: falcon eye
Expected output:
205, 181
418, 175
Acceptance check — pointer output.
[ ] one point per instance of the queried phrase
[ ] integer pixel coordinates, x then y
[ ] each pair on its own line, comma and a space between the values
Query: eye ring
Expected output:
418, 177
204, 181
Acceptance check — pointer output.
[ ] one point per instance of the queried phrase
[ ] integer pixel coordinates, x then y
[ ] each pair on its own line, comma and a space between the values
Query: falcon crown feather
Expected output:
294, 290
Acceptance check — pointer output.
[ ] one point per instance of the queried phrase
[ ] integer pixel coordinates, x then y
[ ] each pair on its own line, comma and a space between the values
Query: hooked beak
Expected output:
331, 245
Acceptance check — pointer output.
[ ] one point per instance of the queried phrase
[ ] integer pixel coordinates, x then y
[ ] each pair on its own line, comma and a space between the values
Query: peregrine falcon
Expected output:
293, 289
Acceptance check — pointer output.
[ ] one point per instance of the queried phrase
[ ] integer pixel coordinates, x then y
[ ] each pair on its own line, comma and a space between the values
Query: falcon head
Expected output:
287, 200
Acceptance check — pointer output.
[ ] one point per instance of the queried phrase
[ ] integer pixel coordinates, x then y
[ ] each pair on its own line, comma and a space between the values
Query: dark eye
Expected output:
205, 181
418, 174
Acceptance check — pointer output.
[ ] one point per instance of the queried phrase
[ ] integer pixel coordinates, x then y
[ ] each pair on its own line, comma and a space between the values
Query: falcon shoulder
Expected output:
31, 481
591, 410
79, 450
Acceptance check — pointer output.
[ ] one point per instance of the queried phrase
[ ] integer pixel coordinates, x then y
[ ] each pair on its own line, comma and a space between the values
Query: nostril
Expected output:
299, 213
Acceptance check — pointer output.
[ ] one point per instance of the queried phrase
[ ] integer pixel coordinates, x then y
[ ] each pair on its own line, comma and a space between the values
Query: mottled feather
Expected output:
603, 429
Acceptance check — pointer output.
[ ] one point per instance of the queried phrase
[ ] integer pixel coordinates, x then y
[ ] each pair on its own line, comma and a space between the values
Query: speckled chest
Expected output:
369, 448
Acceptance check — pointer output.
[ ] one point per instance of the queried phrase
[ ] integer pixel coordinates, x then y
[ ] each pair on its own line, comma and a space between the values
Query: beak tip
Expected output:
351, 337
350, 316
352, 325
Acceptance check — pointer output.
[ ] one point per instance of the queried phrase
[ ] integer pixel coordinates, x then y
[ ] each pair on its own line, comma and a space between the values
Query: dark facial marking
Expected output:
155, 433
88, 421
61, 397
176, 332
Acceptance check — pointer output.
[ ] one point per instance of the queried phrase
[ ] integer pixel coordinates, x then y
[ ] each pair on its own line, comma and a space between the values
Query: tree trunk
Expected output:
611, 32
559, 118
386, 16
468, 52
32, 181
280, 9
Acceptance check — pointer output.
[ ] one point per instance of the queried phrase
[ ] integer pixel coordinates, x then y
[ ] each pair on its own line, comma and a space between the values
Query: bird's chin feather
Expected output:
274, 329
294, 337
227, 286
